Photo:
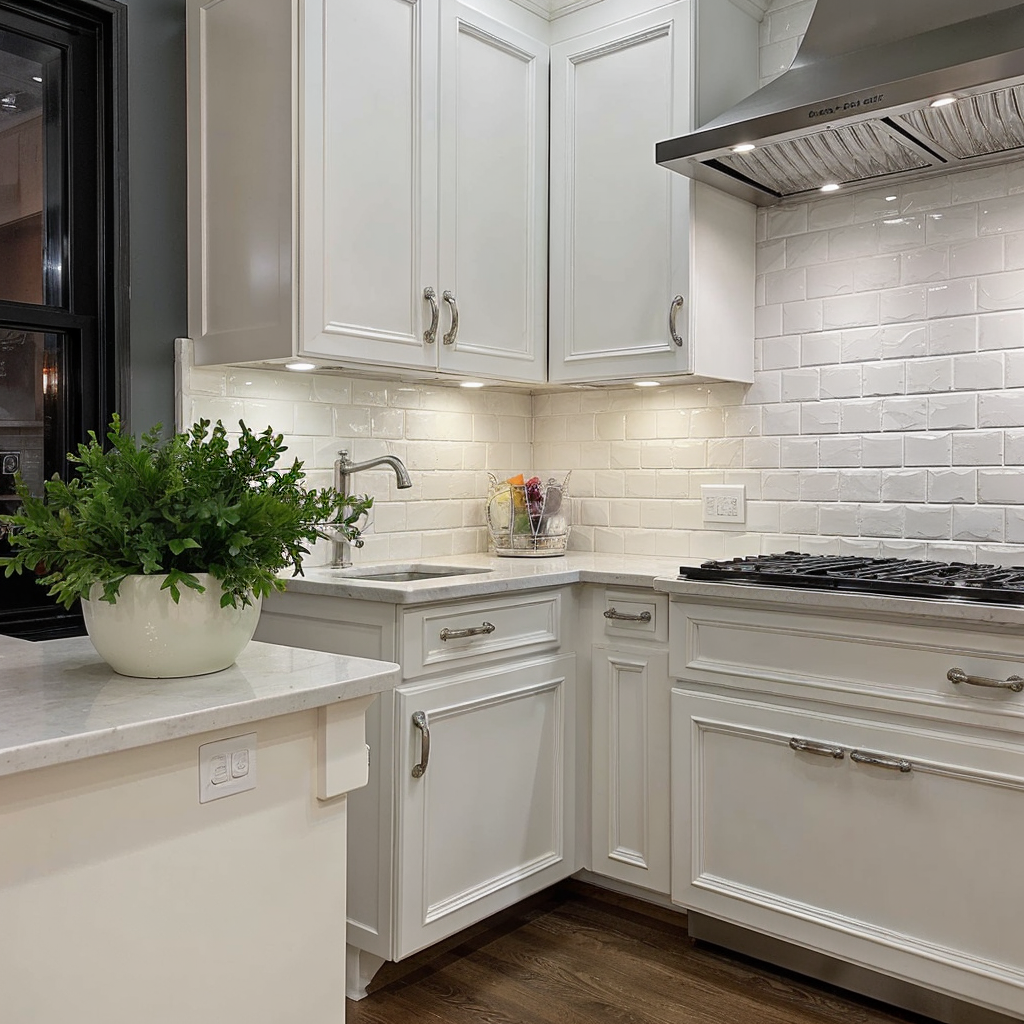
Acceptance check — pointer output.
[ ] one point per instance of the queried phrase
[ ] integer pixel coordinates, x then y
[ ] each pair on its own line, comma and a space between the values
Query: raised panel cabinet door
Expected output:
630, 766
884, 842
368, 188
493, 191
619, 223
242, 196
485, 809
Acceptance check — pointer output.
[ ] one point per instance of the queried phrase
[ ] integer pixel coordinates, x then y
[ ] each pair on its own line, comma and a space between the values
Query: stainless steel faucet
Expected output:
344, 467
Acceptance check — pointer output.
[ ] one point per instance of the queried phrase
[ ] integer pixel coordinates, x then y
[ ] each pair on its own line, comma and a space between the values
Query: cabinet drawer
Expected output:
456, 636
641, 614
908, 871
850, 660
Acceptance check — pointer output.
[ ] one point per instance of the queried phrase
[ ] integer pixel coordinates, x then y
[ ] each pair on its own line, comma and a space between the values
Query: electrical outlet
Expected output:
724, 503
227, 767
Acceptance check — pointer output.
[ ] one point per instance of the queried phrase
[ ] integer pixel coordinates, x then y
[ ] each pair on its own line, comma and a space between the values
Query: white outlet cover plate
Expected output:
227, 767
724, 503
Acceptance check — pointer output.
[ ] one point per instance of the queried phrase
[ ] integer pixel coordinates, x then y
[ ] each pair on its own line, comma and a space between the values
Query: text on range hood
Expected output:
855, 108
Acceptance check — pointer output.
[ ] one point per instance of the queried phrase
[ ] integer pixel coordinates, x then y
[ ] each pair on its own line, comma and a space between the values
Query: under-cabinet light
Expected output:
744, 147
647, 383
471, 384
830, 187
300, 365
943, 101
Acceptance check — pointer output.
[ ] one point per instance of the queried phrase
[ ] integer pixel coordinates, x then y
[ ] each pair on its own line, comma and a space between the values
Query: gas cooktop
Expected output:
901, 576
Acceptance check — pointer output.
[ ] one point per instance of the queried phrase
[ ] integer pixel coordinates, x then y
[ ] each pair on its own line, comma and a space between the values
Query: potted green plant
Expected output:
172, 544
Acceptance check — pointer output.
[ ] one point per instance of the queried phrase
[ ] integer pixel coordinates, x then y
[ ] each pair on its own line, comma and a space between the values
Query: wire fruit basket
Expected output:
528, 518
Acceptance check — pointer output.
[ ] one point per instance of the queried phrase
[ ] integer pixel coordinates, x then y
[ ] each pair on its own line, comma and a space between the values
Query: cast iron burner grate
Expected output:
902, 576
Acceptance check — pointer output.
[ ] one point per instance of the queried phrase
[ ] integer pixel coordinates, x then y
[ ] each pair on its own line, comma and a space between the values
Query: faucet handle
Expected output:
358, 542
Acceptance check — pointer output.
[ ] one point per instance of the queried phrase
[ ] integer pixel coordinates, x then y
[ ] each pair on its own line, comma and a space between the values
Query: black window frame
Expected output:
87, 299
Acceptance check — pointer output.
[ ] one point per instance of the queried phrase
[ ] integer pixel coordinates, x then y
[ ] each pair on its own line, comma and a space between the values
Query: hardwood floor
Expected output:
581, 955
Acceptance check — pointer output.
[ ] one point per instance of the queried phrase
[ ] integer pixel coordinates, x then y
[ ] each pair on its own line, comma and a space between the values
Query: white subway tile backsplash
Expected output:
1001, 330
954, 224
888, 378
977, 524
929, 375
1001, 291
952, 335
931, 263
807, 250
952, 412
952, 486
905, 485
1001, 486
977, 448
927, 450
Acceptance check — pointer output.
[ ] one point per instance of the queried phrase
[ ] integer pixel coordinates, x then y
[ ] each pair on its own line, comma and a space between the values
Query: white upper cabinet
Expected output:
369, 187
493, 197
320, 225
649, 275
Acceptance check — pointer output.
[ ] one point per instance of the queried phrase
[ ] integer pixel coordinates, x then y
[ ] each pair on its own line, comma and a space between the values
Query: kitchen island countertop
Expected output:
60, 702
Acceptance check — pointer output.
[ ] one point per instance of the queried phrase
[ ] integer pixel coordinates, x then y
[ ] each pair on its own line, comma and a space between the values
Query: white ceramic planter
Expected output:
146, 634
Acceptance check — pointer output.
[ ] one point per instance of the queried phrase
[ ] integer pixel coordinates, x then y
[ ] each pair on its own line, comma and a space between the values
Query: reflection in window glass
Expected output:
22, 175
32, 377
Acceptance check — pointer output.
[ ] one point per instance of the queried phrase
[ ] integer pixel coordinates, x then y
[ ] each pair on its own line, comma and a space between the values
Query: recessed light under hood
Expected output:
855, 108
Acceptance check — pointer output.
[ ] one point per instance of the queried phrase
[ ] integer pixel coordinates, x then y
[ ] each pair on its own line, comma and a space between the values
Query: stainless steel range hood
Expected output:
855, 108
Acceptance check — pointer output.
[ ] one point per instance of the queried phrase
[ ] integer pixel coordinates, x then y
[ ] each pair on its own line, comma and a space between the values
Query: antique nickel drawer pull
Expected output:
810, 747
452, 334
673, 310
430, 334
458, 634
611, 613
958, 675
419, 719
896, 764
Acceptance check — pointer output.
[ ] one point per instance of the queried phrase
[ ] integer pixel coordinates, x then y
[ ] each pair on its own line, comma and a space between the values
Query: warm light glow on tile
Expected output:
647, 383
830, 187
943, 101
300, 365
744, 147
471, 384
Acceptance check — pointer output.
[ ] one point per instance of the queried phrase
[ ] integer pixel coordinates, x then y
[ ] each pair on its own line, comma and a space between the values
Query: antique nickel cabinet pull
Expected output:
677, 304
449, 297
458, 634
611, 613
419, 719
430, 334
958, 675
896, 764
811, 747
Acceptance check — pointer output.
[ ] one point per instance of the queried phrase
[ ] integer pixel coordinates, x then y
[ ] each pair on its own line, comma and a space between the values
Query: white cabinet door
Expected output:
493, 197
490, 820
630, 766
901, 862
619, 223
368, 189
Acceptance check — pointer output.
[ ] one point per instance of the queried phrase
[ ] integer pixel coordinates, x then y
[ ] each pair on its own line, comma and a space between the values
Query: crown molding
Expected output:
552, 9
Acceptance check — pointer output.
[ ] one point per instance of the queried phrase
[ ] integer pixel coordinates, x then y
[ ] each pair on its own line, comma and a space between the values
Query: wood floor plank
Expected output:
582, 955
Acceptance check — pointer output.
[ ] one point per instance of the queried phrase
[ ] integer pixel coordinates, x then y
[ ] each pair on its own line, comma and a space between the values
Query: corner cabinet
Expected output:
470, 803
650, 274
367, 186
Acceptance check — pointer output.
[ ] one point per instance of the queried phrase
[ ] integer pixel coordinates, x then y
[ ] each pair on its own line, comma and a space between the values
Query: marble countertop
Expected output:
59, 701
969, 614
501, 575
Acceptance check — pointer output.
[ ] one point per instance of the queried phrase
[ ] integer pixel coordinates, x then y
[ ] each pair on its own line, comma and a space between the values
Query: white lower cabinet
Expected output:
487, 710
487, 818
629, 735
630, 766
879, 831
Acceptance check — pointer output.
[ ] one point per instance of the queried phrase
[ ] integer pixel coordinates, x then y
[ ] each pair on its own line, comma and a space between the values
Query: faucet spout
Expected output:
344, 468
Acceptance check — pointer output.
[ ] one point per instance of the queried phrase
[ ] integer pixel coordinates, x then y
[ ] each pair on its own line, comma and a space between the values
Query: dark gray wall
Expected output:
156, 153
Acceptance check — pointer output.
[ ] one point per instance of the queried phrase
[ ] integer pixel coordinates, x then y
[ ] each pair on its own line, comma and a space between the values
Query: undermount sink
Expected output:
405, 573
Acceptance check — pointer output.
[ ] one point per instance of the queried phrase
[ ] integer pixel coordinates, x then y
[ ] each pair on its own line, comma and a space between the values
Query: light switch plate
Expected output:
227, 767
724, 503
